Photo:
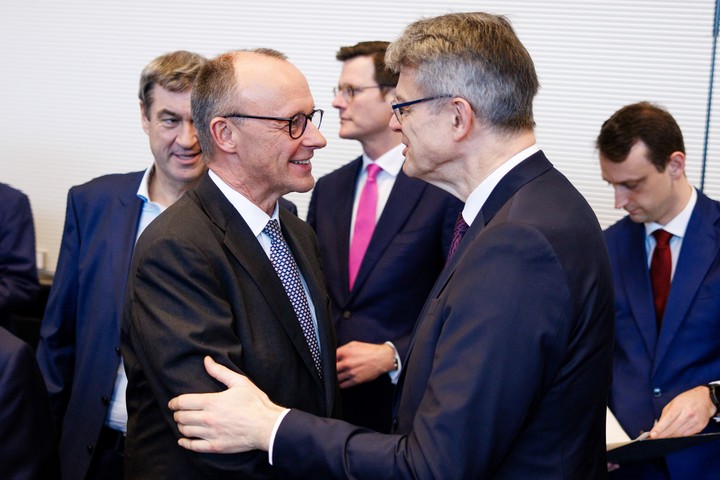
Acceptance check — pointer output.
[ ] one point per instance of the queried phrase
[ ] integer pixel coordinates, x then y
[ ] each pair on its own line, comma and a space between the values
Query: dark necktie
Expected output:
289, 274
458, 232
660, 269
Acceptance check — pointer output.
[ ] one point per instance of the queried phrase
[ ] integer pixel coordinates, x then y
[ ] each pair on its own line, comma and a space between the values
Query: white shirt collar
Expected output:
677, 225
143, 191
479, 196
391, 161
253, 215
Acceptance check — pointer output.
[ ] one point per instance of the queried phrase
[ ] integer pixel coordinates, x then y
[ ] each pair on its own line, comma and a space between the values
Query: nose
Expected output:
394, 125
312, 137
620, 197
188, 135
339, 101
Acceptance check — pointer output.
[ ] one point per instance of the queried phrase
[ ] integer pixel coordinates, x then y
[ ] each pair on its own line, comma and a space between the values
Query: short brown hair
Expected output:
641, 122
174, 71
376, 50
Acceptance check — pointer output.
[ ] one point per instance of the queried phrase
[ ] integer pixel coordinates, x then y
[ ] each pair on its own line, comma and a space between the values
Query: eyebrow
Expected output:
165, 111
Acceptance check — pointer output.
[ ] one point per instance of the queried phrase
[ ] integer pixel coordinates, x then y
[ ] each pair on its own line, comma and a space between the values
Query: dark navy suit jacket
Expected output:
651, 369
27, 434
404, 258
79, 350
18, 272
509, 368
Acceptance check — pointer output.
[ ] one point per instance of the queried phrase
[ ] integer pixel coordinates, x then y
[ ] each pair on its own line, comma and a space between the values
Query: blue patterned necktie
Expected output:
289, 274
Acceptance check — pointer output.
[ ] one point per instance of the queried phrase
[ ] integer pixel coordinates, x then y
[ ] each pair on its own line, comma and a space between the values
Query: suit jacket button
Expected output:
117, 350
346, 314
394, 426
89, 448
105, 400
657, 392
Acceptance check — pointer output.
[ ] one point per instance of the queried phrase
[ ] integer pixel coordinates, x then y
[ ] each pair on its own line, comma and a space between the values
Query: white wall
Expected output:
70, 73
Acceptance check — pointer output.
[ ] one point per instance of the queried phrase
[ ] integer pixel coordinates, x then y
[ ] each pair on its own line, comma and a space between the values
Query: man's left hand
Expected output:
686, 414
359, 362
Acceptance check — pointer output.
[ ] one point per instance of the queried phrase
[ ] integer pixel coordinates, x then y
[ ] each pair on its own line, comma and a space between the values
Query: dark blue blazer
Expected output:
27, 434
509, 367
79, 349
18, 272
651, 369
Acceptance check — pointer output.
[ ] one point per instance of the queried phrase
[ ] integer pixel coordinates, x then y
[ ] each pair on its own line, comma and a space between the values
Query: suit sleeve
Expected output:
18, 272
499, 331
177, 312
56, 349
27, 436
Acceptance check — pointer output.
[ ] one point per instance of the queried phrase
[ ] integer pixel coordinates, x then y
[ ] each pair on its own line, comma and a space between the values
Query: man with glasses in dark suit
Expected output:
225, 272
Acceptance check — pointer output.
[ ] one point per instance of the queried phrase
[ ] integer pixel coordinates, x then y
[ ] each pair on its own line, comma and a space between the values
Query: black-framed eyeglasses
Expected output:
348, 91
400, 109
296, 124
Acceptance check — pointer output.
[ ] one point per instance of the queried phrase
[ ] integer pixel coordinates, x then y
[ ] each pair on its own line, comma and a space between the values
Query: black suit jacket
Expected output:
28, 445
509, 367
404, 258
200, 284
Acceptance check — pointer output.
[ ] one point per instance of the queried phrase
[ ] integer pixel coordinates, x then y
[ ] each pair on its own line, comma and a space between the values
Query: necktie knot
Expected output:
662, 237
372, 170
272, 230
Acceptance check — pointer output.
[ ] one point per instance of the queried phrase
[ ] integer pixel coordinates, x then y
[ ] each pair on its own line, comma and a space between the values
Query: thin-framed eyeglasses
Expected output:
296, 124
348, 91
400, 109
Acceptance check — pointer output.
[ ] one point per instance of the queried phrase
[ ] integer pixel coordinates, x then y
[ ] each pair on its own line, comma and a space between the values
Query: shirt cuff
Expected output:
395, 374
274, 432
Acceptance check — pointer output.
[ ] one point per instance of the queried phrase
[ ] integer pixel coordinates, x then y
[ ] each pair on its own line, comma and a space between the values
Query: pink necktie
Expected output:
364, 222
660, 270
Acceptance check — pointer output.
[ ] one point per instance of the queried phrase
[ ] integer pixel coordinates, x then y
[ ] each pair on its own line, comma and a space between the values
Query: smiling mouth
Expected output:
187, 155
301, 162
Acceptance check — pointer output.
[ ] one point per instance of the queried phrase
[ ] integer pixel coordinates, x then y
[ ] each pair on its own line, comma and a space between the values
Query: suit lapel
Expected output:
403, 198
699, 248
341, 216
125, 214
635, 280
243, 245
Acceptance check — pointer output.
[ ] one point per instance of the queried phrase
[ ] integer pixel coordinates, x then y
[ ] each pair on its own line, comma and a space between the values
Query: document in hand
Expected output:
620, 449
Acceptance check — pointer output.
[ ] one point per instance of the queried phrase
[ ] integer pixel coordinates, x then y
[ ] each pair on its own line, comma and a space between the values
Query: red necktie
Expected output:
660, 269
364, 222
461, 228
